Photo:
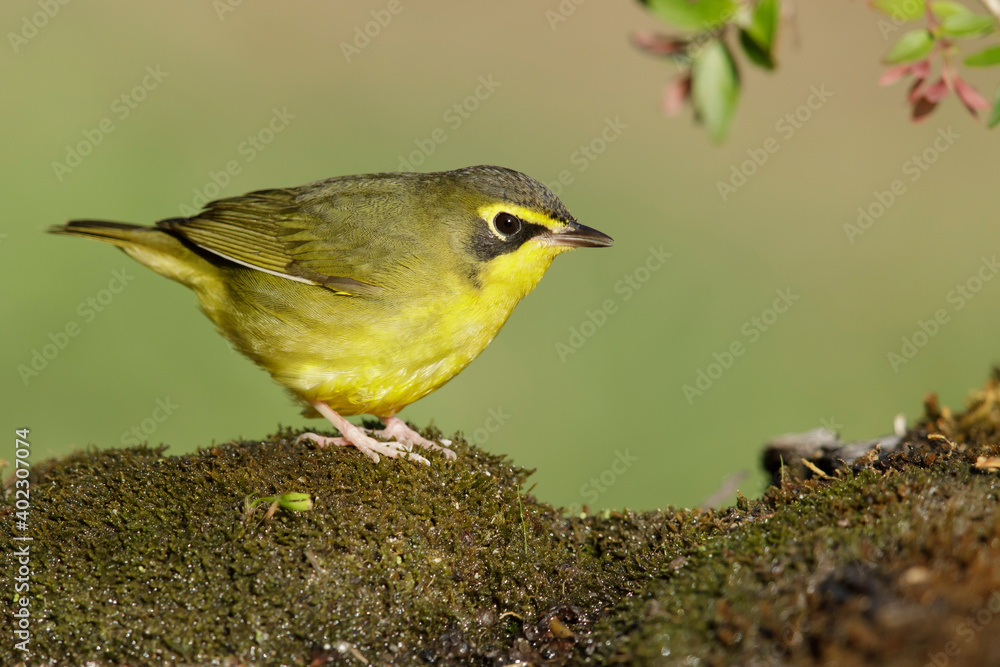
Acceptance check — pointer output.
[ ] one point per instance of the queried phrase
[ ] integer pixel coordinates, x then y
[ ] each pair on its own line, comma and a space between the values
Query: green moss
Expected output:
144, 559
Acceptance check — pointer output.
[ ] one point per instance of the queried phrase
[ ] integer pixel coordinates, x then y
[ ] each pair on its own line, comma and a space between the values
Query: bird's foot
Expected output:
356, 437
367, 445
396, 428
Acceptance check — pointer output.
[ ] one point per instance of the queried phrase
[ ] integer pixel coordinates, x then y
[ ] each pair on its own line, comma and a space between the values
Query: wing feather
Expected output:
333, 233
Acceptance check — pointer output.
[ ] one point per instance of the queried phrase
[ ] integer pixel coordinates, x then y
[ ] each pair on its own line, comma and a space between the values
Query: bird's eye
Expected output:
507, 224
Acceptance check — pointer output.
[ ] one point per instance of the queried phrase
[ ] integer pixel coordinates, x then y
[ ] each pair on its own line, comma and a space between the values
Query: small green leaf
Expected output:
290, 501
700, 16
764, 23
912, 46
944, 9
757, 38
995, 114
715, 88
299, 502
985, 58
903, 10
968, 25
755, 54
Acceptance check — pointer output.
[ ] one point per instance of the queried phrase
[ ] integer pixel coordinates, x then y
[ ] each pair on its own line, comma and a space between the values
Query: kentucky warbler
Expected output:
362, 294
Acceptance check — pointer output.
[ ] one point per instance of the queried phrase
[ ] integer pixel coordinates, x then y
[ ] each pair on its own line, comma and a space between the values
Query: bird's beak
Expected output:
575, 235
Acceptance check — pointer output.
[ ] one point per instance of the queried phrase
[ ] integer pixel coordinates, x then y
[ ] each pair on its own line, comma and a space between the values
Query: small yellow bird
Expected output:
362, 294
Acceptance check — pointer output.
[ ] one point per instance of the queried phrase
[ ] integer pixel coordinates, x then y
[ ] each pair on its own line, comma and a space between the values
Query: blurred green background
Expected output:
223, 74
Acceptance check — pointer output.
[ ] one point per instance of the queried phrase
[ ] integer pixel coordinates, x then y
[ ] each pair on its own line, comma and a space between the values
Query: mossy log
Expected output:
139, 558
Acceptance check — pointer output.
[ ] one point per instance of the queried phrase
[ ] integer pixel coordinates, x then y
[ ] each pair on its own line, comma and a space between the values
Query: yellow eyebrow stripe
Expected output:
488, 211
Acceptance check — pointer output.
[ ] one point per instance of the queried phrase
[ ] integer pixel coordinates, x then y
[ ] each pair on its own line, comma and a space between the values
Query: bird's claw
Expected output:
367, 445
396, 428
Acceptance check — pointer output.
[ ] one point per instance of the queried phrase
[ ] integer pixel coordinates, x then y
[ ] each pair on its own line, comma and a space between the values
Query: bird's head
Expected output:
508, 227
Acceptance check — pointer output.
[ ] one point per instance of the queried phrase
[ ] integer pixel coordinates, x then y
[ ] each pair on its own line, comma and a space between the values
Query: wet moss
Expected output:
141, 558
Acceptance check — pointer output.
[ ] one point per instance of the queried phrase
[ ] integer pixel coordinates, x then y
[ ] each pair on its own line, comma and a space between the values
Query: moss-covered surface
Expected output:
145, 559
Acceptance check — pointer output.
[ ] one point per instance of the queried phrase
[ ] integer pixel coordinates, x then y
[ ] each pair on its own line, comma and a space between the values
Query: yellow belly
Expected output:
358, 355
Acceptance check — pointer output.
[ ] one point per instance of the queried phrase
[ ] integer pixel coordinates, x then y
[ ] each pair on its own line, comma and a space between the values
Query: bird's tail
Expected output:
156, 248
116, 233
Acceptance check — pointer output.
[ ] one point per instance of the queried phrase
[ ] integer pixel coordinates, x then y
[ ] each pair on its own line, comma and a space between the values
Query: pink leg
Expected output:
354, 436
397, 428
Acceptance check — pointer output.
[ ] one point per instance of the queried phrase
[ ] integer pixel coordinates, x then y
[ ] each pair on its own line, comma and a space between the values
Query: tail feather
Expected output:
116, 233
156, 248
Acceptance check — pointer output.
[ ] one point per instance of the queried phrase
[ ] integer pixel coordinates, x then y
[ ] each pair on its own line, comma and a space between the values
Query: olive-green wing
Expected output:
348, 237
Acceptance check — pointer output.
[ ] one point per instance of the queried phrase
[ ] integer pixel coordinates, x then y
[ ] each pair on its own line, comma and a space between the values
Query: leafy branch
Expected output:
915, 52
710, 81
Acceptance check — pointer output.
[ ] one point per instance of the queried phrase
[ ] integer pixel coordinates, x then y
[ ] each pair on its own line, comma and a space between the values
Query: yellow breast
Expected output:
370, 356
